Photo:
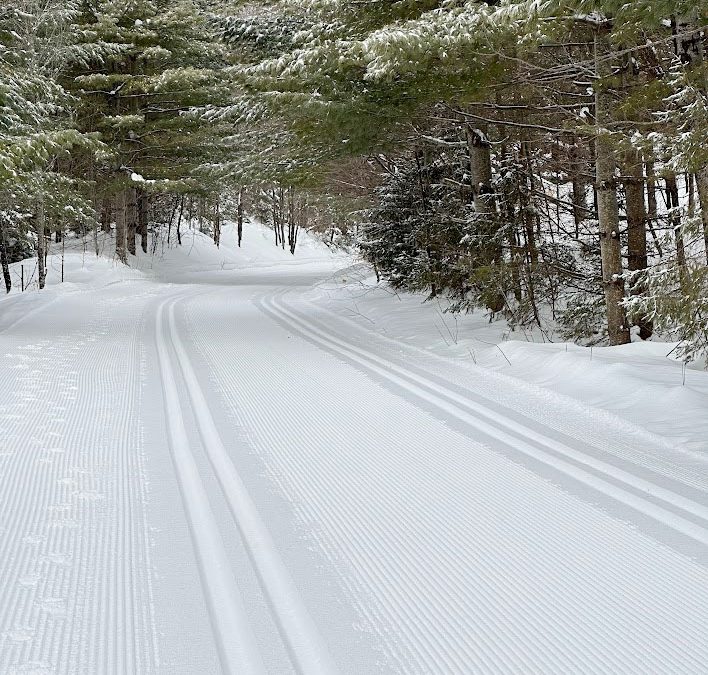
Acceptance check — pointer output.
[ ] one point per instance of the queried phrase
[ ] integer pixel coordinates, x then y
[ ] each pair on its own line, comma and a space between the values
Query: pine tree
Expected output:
144, 69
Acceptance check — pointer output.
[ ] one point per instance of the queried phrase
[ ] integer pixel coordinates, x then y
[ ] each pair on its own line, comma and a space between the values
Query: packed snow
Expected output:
243, 461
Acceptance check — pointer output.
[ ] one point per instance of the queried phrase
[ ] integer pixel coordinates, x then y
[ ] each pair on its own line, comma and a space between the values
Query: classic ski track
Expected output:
514, 434
53, 575
453, 605
235, 641
647, 449
304, 644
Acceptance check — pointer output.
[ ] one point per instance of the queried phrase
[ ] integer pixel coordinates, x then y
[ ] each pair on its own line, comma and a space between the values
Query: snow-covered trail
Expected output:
222, 477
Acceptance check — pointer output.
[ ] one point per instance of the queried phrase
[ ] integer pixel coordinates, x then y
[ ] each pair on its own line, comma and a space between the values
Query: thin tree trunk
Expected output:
530, 217
3, 257
41, 243
217, 225
281, 216
274, 210
179, 221
607, 203
239, 216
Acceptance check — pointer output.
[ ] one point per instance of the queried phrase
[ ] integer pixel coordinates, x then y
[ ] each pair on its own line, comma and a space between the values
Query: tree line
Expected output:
543, 160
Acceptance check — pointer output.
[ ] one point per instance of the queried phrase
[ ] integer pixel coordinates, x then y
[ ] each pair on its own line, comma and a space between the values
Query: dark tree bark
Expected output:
636, 231
132, 219
41, 243
239, 217
143, 205
3, 257
106, 209
179, 221
121, 226
607, 203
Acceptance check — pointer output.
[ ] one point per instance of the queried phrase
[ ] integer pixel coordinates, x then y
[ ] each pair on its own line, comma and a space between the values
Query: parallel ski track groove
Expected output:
233, 634
307, 650
495, 425
650, 451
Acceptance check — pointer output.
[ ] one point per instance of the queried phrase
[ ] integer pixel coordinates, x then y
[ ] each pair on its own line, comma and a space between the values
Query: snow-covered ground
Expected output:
239, 461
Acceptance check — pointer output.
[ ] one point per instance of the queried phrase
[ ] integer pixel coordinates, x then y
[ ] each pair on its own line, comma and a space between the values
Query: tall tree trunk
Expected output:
530, 215
479, 149
120, 208
41, 243
607, 203
636, 231
3, 256
143, 204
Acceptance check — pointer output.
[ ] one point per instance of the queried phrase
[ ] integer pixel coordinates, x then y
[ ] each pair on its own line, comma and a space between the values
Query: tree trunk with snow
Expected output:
485, 203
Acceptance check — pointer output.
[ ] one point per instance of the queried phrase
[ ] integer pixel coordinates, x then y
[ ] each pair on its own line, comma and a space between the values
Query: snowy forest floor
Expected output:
238, 461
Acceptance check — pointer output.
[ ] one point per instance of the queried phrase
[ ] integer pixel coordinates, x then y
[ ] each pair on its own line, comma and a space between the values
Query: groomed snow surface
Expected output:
238, 461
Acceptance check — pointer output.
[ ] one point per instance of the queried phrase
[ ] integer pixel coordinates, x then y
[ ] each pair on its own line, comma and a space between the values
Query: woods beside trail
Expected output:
543, 161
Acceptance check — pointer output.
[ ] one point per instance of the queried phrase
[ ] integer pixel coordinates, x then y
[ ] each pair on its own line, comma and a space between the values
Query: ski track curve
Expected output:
452, 583
75, 571
633, 491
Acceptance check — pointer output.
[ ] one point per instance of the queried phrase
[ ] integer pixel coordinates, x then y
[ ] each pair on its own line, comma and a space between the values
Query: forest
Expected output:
542, 161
